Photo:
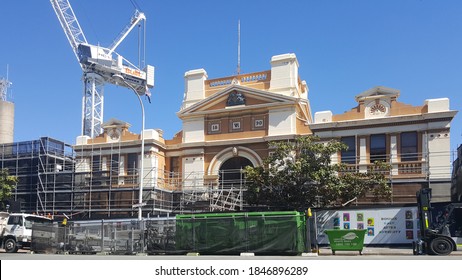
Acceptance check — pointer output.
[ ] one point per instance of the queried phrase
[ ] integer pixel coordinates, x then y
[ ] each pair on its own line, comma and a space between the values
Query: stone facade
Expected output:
227, 124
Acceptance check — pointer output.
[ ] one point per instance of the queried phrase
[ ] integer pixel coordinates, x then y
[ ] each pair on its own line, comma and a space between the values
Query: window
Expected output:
15, 220
409, 146
53, 147
96, 163
378, 147
132, 164
115, 164
29, 221
349, 156
174, 166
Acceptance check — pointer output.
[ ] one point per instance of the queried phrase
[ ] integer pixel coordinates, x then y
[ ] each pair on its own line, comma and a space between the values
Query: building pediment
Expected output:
236, 97
378, 92
377, 102
115, 123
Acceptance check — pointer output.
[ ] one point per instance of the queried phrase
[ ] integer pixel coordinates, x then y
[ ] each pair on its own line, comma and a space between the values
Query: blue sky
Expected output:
343, 47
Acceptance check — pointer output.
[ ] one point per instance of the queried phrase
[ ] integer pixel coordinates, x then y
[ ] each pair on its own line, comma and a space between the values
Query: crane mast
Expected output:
100, 65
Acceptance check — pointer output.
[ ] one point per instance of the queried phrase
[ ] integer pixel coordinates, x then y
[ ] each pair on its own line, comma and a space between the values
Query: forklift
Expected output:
435, 236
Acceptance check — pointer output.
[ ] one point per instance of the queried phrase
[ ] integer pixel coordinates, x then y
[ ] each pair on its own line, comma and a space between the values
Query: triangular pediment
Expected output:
115, 123
236, 97
377, 92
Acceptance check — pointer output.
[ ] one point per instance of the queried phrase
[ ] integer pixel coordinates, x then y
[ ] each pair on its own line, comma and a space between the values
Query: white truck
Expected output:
16, 230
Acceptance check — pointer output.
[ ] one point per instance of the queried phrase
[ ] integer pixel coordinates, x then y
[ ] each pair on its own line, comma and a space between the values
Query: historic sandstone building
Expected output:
414, 140
226, 125
227, 122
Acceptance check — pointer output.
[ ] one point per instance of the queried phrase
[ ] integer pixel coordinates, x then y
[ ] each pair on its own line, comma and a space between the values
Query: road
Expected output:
397, 254
375, 264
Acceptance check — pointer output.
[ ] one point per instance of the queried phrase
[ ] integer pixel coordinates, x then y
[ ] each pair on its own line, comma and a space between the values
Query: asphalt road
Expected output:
374, 264
324, 254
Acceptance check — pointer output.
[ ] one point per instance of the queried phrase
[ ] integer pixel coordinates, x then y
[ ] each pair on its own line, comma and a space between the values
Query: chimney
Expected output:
194, 87
284, 75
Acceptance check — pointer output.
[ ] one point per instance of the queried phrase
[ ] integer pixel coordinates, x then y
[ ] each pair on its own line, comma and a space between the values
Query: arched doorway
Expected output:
230, 170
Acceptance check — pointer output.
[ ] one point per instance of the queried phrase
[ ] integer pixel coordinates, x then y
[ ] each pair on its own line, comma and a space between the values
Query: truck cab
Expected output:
16, 230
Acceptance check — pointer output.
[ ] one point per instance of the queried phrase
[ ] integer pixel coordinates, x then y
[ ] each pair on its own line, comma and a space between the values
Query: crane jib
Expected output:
104, 63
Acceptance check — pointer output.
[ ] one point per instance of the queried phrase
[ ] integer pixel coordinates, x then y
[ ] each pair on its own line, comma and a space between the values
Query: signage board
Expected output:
382, 225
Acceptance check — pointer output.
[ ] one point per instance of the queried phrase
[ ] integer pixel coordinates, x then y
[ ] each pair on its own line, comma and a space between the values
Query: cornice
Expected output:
231, 142
386, 121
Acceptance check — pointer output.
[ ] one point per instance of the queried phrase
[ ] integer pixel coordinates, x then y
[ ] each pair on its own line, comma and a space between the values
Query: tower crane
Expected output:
101, 65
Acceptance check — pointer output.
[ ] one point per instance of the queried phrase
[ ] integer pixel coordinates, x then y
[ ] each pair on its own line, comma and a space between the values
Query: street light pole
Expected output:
119, 78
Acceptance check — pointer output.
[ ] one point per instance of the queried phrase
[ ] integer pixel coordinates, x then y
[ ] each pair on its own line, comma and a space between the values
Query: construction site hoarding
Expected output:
386, 225
264, 233
235, 233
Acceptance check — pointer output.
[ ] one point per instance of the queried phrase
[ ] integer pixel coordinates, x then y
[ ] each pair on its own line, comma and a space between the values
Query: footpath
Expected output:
392, 251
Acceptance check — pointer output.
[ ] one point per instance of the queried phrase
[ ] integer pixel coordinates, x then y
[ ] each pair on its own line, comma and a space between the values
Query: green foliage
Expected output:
299, 174
7, 184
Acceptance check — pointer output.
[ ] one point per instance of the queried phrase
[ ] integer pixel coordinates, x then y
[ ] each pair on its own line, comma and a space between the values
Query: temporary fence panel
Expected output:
276, 233
115, 237
48, 239
160, 236
234, 233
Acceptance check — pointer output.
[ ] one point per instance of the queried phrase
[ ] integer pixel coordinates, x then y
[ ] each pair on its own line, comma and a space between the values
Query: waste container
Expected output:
346, 239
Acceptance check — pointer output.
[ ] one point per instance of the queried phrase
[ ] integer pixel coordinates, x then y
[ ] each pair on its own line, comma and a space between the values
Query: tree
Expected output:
299, 174
7, 185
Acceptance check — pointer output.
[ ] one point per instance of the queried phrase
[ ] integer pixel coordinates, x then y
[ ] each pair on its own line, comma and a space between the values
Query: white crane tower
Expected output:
99, 66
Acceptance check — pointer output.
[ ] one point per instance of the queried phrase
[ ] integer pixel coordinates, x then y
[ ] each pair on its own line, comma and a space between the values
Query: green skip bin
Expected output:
346, 239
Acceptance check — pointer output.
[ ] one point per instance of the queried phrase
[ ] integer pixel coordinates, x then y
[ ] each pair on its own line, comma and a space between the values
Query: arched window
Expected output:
230, 170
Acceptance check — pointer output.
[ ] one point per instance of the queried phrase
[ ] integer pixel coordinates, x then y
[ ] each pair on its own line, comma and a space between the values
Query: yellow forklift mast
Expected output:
435, 237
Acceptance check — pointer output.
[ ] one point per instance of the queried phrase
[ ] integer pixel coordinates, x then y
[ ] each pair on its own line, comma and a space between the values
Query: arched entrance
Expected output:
233, 152
230, 170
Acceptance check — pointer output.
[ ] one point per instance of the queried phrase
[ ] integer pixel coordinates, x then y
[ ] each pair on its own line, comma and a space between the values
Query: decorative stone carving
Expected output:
235, 98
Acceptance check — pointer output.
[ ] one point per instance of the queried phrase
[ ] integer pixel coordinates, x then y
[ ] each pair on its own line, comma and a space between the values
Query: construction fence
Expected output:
265, 233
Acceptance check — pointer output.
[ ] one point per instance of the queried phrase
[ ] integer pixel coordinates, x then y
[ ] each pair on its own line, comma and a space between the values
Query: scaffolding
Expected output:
52, 181
44, 169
